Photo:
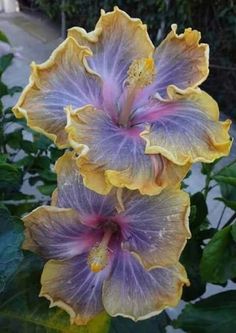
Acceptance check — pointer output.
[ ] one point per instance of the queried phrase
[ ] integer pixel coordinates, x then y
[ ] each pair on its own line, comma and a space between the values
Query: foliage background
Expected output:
216, 19
210, 255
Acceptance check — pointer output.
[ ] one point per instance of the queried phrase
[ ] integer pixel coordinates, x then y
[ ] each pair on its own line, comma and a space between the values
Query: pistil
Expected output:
99, 255
140, 74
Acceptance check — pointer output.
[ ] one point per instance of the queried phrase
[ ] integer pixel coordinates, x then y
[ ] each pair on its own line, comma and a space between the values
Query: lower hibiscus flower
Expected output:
117, 252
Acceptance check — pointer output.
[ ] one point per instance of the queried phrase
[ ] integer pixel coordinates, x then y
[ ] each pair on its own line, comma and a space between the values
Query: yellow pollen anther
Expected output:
99, 256
141, 72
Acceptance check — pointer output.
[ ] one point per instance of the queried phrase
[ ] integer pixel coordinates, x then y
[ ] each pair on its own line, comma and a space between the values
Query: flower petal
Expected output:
133, 292
181, 61
186, 129
157, 226
57, 233
116, 41
65, 79
71, 192
111, 155
74, 288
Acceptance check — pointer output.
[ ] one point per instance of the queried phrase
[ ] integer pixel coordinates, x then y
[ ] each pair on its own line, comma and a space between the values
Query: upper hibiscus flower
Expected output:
119, 252
134, 114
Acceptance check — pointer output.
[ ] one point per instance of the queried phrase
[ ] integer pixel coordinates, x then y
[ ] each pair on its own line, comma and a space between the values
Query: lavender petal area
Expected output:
71, 193
57, 233
71, 284
156, 225
133, 292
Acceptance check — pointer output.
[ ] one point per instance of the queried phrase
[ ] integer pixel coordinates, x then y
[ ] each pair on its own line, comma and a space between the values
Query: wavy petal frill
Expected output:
185, 129
141, 274
116, 41
73, 287
111, 155
181, 61
64, 79
135, 293
127, 289
157, 226
71, 193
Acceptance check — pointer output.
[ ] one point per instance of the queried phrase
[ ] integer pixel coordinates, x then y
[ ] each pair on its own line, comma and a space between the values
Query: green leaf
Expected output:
10, 177
229, 203
3, 89
21, 310
5, 61
20, 209
207, 168
25, 161
155, 324
14, 90
41, 141
191, 258
233, 231
47, 189
48, 176
42, 163
215, 314
11, 237
3, 158
198, 220
227, 181
227, 175
219, 257
56, 153
192, 253
3, 38
14, 139
29, 147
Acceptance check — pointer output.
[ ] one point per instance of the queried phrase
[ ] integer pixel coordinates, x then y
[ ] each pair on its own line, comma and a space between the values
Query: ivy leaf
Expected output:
11, 237
21, 310
218, 262
215, 314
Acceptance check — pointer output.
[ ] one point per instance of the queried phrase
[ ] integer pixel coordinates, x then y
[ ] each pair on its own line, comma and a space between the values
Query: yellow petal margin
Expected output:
100, 179
181, 148
183, 54
31, 104
151, 301
106, 29
94, 324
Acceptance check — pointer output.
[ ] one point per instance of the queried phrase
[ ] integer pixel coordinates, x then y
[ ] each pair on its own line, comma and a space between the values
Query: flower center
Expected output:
99, 254
140, 75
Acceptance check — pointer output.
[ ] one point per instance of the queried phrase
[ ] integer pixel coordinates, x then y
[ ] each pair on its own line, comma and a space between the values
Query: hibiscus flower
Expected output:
134, 114
117, 252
